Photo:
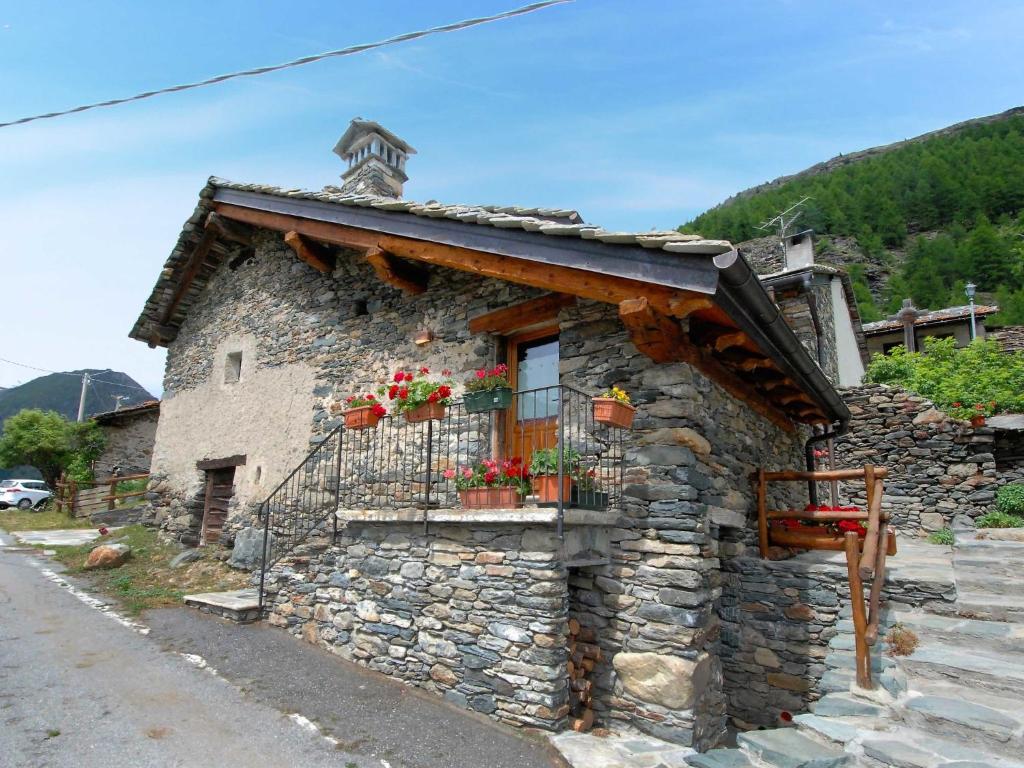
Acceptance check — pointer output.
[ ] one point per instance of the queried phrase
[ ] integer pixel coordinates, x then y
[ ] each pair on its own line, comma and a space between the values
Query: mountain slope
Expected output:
917, 218
60, 392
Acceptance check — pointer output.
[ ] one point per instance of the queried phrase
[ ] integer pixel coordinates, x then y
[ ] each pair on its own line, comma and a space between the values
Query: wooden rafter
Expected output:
734, 339
755, 363
309, 252
192, 267
684, 307
543, 309
409, 278
655, 335
228, 229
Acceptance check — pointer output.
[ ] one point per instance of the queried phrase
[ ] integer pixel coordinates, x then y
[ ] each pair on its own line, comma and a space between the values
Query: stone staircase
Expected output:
956, 701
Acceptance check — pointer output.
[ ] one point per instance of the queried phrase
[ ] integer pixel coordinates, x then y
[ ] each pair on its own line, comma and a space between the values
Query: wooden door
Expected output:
219, 489
532, 423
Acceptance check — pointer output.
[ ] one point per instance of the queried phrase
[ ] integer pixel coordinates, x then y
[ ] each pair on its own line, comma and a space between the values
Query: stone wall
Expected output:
129, 443
477, 615
938, 467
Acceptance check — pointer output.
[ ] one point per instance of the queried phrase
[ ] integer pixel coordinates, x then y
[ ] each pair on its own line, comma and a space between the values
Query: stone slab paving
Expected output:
71, 537
241, 605
586, 750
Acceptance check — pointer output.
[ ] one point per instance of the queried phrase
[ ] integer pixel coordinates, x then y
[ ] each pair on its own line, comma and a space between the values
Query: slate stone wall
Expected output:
129, 444
938, 467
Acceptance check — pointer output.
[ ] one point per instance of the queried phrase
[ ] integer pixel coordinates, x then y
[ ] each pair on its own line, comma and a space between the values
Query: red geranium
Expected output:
411, 390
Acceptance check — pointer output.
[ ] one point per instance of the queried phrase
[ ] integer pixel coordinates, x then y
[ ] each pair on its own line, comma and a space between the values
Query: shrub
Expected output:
942, 536
980, 373
999, 520
901, 641
1010, 499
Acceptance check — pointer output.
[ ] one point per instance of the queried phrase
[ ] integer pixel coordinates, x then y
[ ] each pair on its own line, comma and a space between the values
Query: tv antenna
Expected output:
781, 222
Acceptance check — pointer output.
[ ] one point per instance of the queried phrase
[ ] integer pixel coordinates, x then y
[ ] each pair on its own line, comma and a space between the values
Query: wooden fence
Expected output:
84, 499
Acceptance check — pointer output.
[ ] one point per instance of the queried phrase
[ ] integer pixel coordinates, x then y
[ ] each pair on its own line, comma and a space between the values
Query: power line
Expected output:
296, 63
92, 379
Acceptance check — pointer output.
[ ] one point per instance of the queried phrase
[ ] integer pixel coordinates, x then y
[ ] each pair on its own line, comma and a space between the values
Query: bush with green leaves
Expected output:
956, 379
51, 443
999, 520
1010, 499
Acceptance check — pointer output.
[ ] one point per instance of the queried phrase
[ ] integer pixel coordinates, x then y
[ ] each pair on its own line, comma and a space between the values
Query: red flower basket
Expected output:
364, 417
505, 497
426, 412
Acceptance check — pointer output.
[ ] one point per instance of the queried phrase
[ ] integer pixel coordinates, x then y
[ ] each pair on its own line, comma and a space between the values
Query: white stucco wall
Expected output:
265, 416
851, 367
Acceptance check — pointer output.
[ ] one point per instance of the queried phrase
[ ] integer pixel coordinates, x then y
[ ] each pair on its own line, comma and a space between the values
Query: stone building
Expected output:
130, 433
277, 304
911, 326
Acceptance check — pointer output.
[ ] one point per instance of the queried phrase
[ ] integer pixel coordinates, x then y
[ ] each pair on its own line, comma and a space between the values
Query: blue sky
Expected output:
638, 113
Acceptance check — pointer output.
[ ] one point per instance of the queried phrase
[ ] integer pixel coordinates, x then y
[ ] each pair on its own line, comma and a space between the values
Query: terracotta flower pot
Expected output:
362, 417
426, 412
546, 488
608, 410
503, 497
978, 420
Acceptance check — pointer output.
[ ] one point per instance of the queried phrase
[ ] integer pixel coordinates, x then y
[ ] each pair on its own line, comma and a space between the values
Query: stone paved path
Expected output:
71, 537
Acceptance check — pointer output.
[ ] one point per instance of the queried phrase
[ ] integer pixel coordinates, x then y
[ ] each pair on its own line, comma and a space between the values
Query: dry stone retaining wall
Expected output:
939, 467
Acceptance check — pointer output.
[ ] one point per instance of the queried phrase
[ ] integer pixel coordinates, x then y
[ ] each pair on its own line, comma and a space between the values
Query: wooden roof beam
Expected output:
192, 267
313, 254
655, 335
228, 229
407, 277
684, 307
523, 315
734, 339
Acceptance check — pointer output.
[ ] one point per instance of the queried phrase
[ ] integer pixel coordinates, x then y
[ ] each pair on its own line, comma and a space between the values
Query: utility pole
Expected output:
81, 399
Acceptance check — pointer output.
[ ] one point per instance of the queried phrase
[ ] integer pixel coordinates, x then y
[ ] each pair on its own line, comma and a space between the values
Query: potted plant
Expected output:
488, 390
490, 484
362, 411
419, 396
544, 471
613, 408
585, 492
976, 414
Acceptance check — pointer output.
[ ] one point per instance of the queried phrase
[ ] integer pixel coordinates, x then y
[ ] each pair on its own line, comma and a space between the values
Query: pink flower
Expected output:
449, 474
467, 472
481, 374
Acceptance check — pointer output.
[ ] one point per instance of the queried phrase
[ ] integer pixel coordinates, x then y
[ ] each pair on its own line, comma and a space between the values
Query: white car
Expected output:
23, 494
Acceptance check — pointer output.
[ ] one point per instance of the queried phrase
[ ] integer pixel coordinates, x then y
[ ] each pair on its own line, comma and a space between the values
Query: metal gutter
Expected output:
744, 297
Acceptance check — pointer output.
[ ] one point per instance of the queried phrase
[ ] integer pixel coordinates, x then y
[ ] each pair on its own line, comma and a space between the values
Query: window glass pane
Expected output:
538, 369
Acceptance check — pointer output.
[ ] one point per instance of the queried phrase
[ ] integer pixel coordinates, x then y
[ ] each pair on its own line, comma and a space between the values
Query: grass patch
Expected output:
941, 536
901, 641
49, 519
147, 580
999, 520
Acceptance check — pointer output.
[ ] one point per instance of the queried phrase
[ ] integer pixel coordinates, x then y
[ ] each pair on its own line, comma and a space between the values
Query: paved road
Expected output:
78, 688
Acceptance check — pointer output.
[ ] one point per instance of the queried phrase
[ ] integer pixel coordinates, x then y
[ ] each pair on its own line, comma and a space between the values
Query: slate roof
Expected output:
936, 317
555, 222
128, 412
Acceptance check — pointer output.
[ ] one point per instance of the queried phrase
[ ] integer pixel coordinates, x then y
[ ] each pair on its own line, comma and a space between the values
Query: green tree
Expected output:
50, 443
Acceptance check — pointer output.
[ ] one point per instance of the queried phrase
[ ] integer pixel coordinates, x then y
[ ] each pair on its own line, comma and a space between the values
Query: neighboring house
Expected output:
1011, 337
910, 326
276, 304
130, 433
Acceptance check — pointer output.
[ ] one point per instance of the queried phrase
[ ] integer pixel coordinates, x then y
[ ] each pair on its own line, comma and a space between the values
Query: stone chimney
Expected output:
908, 316
376, 159
800, 250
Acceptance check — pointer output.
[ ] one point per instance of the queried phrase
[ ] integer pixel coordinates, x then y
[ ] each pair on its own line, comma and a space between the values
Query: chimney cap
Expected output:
359, 128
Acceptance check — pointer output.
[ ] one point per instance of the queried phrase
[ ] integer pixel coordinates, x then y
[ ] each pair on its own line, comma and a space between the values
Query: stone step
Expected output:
720, 758
999, 636
992, 730
833, 729
789, 748
990, 671
982, 605
240, 605
908, 747
847, 659
971, 546
847, 705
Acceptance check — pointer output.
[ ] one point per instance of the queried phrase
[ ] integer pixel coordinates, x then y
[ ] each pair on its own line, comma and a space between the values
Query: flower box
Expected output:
546, 488
497, 399
504, 497
608, 410
363, 417
425, 412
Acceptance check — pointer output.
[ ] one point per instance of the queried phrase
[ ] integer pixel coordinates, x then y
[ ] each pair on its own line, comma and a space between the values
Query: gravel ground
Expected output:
78, 688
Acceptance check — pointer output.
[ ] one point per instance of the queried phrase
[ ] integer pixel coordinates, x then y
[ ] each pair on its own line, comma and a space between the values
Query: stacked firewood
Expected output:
584, 654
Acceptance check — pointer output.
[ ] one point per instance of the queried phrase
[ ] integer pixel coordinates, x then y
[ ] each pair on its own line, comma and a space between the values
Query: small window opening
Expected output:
233, 368
259, 473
